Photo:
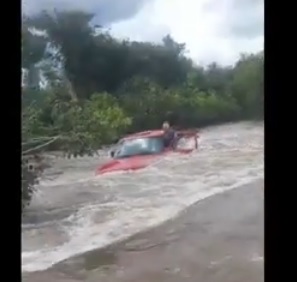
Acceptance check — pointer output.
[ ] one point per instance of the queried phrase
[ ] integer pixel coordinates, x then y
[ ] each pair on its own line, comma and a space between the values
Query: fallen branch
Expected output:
38, 139
53, 139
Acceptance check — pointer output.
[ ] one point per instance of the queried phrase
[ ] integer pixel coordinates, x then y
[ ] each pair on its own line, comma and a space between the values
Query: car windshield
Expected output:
139, 146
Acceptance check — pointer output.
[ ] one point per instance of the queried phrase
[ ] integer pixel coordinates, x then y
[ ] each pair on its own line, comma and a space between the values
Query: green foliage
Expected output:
99, 88
78, 127
248, 85
85, 126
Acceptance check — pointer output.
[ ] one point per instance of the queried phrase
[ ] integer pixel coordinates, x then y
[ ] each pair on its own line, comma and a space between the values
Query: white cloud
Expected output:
205, 26
214, 30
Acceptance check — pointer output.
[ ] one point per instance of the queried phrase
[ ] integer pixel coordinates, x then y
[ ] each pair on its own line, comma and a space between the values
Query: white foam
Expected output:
257, 258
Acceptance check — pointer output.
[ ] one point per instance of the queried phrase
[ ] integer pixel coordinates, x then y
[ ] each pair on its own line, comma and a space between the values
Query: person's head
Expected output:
165, 125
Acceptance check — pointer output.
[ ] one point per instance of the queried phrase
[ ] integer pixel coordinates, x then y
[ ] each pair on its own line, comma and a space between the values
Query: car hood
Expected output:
131, 163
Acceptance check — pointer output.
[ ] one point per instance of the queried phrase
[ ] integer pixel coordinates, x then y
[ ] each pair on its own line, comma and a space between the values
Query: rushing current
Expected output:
75, 211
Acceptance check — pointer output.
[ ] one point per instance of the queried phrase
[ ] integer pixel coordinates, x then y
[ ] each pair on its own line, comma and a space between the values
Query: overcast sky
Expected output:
213, 30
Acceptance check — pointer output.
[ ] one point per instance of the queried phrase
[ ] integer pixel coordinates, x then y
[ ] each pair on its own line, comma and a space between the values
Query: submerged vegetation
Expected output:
98, 87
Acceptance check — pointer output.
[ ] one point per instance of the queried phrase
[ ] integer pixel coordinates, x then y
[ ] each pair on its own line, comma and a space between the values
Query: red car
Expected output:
141, 149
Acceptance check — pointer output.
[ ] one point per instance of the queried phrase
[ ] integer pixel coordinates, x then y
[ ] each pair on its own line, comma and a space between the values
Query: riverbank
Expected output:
217, 239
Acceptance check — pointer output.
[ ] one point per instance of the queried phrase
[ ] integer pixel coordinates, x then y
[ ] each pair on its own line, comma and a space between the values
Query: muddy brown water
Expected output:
220, 238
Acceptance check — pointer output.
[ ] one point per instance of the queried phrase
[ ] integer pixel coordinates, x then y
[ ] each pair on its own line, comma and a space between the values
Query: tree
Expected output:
248, 84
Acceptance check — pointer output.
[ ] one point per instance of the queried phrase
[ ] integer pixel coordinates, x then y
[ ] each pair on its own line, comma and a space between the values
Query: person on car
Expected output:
169, 135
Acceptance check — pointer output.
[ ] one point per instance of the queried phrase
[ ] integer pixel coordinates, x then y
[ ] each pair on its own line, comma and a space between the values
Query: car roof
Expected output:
144, 134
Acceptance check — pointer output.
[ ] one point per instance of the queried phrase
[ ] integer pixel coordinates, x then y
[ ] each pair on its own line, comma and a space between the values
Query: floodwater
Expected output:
75, 212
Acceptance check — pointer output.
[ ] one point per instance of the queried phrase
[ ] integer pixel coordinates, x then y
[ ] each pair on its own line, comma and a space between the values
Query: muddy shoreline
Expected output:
218, 239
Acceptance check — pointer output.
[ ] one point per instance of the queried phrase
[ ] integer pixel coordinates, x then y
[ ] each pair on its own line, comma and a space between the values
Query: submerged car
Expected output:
141, 149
